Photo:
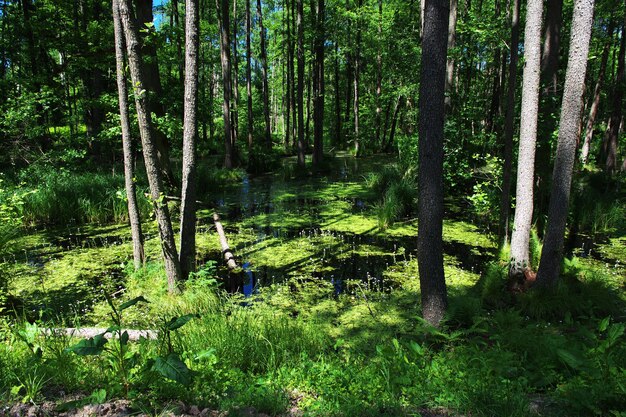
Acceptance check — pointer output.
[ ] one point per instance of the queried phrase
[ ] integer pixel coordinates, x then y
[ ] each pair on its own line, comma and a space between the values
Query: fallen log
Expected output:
228, 254
89, 332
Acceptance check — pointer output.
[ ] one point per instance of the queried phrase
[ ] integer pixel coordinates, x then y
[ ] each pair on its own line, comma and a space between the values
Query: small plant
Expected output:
126, 363
30, 386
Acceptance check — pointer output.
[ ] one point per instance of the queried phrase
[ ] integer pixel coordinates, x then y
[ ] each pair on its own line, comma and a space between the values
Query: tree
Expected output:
152, 84
509, 122
300, 86
224, 25
552, 253
266, 93
451, 44
127, 145
318, 86
190, 133
430, 209
153, 171
249, 75
357, 75
520, 239
615, 122
597, 93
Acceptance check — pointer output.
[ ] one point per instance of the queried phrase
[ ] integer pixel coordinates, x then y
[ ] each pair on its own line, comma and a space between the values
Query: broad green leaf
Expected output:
124, 338
604, 324
91, 346
132, 302
171, 367
569, 359
178, 322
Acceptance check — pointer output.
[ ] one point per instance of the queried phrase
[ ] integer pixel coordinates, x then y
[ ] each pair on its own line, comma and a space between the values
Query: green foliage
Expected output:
65, 198
399, 191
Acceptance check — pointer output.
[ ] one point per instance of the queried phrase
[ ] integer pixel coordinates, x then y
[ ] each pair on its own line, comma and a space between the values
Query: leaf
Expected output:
171, 367
615, 332
206, 354
91, 346
99, 396
124, 338
415, 347
178, 322
604, 324
569, 359
132, 302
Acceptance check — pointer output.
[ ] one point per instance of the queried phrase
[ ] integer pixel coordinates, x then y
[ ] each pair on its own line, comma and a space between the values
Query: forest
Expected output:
324, 208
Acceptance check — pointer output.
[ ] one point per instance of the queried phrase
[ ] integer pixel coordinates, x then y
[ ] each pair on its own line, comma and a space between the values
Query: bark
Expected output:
229, 258
597, 93
154, 88
509, 123
394, 120
616, 116
318, 88
551, 44
235, 81
300, 86
337, 135
552, 252
357, 74
153, 171
127, 144
264, 75
249, 75
450, 61
190, 134
528, 137
379, 72
387, 111
494, 107
430, 177
289, 86
224, 24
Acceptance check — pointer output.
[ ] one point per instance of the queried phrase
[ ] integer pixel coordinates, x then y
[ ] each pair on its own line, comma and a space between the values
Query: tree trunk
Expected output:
357, 74
152, 84
235, 81
249, 75
494, 107
379, 72
266, 91
224, 25
300, 86
394, 120
597, 93
153, 171
509, 127
431, 119
528, 137
450, 61
190, 134
289, 84
337, 136
127, 144
552, 252
551, 44
615, 121
318, 88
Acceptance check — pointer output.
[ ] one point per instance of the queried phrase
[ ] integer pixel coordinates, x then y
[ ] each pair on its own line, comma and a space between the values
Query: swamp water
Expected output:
283, 230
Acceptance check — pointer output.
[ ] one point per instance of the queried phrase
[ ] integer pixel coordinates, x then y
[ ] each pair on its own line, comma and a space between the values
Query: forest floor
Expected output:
326, 306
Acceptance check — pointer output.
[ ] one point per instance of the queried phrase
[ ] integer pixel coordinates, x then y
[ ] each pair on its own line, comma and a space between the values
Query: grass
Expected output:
300, 342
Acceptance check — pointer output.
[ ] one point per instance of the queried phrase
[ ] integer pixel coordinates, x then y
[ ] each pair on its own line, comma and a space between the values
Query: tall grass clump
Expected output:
599, 204
398, 189
61, 198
